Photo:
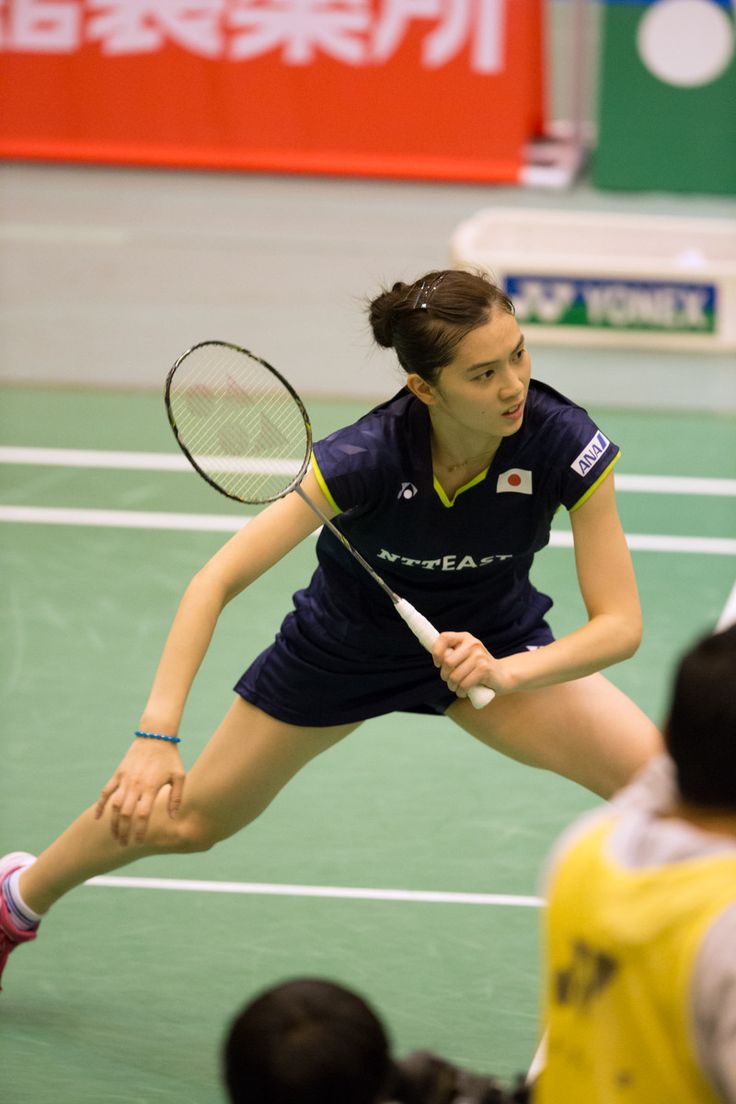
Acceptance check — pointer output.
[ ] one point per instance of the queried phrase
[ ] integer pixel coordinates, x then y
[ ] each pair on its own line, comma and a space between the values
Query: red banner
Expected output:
442, 89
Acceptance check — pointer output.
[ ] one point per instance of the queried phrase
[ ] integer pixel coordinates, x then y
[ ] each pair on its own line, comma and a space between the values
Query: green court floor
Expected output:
127, 992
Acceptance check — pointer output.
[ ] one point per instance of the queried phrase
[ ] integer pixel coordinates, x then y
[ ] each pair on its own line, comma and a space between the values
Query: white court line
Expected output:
143, 461
675, 484
221, 523
661, 542
95, 458
539, 1061
166, 461
122, 519
728, 613
352, 893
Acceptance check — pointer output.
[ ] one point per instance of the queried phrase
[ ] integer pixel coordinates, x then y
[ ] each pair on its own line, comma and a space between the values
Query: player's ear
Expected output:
424, 391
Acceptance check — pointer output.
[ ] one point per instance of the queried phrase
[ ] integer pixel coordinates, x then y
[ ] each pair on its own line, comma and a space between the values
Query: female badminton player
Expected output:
448, 489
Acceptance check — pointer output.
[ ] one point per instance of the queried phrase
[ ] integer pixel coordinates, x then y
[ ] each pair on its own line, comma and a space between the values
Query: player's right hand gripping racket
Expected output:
243, 427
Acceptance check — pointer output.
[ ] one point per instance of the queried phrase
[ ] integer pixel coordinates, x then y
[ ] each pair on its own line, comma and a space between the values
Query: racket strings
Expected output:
239, 422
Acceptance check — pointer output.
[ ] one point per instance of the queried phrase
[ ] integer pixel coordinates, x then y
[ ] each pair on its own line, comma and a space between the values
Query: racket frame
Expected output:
293, 485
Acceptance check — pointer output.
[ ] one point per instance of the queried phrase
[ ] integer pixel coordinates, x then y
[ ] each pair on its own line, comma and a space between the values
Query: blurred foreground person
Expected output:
310, 1041
640, 985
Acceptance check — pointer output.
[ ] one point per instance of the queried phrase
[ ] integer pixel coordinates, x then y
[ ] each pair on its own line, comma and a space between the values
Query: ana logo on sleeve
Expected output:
591, 454
515, 479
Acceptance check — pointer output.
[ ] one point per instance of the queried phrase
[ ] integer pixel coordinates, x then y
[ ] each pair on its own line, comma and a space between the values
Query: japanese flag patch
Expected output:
515, 479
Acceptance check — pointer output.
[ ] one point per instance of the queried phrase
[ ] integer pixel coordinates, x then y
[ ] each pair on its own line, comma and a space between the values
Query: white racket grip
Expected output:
426, 634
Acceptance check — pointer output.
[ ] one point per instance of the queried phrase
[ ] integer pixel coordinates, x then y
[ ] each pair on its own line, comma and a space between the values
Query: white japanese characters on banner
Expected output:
356, 33
429, 89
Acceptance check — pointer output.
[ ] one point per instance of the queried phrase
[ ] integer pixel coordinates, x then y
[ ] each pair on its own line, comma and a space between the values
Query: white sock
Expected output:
22, 914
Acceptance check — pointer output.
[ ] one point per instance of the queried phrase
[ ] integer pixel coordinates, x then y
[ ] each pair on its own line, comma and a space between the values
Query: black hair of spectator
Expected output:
701, 730
307, 1041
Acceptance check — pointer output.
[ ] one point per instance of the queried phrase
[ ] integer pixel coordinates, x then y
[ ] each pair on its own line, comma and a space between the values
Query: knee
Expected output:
194, 832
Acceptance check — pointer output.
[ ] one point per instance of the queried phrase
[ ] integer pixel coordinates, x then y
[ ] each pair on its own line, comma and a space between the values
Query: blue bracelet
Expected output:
158, 736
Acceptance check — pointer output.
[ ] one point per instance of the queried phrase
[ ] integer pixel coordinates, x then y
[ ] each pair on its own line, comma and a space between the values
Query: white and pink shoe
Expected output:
11, 934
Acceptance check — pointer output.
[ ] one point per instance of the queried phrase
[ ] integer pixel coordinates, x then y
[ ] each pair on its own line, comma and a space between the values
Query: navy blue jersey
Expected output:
464, 563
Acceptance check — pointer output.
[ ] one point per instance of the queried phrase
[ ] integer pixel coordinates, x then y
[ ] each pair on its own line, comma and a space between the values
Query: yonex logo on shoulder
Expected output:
407, 490
591, 454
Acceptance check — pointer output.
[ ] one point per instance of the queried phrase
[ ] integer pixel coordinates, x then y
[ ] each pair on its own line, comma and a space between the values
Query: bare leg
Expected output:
249, 759
586, 730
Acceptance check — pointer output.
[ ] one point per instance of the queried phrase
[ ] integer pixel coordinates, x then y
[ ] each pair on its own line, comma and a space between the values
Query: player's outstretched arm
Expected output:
149, 765
243, 559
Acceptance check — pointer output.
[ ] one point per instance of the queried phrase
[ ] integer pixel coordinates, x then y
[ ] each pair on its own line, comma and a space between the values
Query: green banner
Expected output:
667, 97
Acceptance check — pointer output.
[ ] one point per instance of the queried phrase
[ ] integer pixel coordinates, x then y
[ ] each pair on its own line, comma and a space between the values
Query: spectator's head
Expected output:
306, 1041
701, 730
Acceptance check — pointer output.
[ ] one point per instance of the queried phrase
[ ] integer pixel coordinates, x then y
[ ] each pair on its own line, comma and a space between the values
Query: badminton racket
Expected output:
245, 430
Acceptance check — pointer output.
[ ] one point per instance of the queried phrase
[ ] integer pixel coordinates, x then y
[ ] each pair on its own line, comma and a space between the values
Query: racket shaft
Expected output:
346, 543
424, 630
426, 634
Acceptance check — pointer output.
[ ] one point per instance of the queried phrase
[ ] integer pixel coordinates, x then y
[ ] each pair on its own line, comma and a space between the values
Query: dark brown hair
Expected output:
306, 1041
425, 321
700, 733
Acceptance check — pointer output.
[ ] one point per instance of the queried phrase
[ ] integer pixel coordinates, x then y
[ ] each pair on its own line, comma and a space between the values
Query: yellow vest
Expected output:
620, 950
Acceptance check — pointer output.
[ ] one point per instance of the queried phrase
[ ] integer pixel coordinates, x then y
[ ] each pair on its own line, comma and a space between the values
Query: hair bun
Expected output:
381, 314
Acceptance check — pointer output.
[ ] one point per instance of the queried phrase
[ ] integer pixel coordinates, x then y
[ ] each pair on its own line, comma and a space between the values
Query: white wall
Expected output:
106, 275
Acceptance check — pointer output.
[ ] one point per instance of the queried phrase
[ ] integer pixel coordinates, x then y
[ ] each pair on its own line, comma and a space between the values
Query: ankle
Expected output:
31, 900
22, 914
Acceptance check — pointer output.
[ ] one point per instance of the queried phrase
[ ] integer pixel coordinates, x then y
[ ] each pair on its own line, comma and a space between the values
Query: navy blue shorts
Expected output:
317, 682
